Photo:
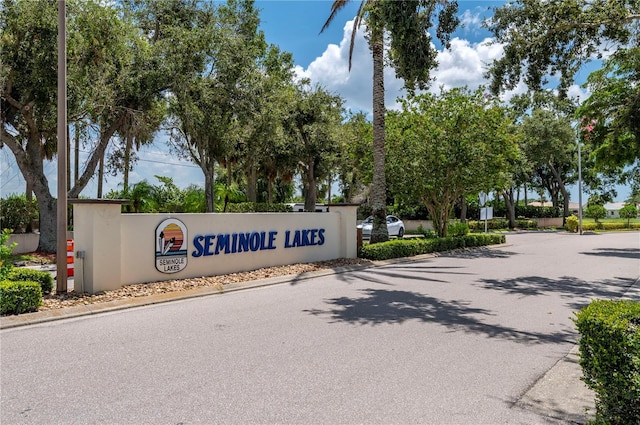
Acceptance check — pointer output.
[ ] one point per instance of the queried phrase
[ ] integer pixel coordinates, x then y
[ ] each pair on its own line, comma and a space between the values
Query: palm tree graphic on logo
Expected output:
170, 239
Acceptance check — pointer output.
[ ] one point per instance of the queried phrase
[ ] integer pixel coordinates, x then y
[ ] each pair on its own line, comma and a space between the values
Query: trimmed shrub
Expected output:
526, 224
6, 249
608, 226
398, 248
458, 229
44, 279
17, 213
572, 224
17, 297
610, 358
493, 224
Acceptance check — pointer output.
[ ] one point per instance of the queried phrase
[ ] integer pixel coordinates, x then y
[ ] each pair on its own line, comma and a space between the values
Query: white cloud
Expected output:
331, 70
470, 20
464, 64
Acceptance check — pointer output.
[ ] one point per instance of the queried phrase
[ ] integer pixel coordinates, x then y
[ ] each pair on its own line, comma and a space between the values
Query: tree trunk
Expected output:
76, 155
507, 195
309, 181
252, 183
463, 209
270, 181
563, 190
29, 197
101, 177
127, 162
379, 233
208, 171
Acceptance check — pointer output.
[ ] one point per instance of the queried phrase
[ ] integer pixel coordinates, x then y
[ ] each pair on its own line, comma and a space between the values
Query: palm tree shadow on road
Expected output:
632, 253
382, 306
579, 292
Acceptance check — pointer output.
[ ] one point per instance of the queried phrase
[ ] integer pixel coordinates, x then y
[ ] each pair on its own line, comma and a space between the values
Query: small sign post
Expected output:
484, 211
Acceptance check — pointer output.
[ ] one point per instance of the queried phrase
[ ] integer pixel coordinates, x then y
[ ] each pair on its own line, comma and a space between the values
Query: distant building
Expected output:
613, 209
573, 206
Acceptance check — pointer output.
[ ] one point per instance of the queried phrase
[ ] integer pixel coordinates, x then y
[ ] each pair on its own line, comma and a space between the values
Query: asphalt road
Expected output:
454, 339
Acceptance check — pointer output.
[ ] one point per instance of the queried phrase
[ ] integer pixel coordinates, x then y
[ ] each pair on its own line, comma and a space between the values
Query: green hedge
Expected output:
16, 212
590, 225
44, 279
397, 248
610, 358
17, 297
249, 207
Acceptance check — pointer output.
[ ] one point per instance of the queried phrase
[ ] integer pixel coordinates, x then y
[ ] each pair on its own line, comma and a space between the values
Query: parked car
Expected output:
395, 226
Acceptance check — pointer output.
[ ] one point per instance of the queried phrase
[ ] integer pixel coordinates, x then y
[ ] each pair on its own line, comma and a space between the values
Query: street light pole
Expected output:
61, 246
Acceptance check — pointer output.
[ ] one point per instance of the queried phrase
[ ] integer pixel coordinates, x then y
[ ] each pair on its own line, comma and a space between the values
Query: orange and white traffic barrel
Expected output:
69, 257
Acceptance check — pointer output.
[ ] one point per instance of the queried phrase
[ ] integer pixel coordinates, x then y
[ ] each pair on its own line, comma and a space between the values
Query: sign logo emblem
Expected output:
171, 246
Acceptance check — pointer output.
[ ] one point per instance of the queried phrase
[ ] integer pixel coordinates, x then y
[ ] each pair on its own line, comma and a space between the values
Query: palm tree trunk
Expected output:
127, 162
379, 233
100, 175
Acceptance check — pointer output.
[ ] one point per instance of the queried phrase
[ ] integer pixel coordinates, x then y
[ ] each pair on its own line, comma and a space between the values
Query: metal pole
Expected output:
61, 247
579, 187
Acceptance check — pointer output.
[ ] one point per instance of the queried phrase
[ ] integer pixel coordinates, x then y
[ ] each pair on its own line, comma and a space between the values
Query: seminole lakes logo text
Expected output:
172, 250
171, 246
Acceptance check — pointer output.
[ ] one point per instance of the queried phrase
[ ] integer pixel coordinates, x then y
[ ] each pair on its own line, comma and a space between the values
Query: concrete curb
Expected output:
8, 322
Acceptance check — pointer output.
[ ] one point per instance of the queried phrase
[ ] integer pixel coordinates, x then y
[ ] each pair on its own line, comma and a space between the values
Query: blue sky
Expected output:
294, 25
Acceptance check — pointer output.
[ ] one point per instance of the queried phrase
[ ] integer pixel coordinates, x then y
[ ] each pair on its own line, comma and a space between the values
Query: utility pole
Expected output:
61, 247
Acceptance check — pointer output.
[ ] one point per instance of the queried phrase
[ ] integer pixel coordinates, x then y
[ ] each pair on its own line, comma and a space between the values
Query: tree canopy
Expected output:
554, 39
444, 147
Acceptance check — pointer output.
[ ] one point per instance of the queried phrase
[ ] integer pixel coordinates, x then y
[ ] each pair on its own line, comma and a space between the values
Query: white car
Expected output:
395, 226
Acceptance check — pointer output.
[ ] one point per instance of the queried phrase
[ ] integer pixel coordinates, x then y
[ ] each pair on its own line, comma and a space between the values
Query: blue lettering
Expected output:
314, 233
208, 243
272, 239
234, 243
223, 243
263, 240
198, 246
287, 233
243, 243
306, 241
321, 237
296, 239
254, 242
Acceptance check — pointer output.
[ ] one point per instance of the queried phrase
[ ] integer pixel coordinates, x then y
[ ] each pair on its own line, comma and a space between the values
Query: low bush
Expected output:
427, 233
493, 224
16, 212
17, 297
44, 279
620, 225
572, 224
458, 229
6, 249
409, 247
610, 358
526, 224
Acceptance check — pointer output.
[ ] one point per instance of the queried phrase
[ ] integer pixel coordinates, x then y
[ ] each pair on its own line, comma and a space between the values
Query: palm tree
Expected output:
379, 232
407, 22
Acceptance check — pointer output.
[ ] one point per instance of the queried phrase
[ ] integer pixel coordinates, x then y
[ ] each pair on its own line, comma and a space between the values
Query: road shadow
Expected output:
572, 288
633, 253
383, 306
479, 252
385, 274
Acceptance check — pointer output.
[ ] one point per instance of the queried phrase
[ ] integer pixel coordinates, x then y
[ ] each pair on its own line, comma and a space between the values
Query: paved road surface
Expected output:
455, 339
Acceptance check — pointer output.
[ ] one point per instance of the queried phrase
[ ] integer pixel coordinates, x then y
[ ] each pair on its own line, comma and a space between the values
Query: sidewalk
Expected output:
558, 394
